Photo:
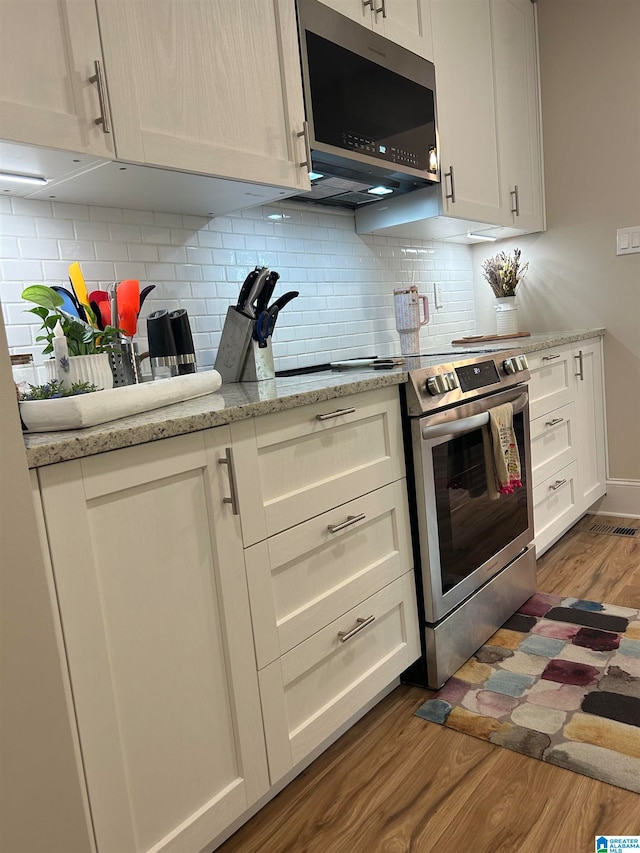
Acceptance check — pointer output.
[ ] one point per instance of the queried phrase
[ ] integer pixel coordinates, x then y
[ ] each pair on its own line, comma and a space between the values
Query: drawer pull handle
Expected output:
557, 485
343, 636
351, 519
549, 357
554, 422
233, 500
580, 372
335, 414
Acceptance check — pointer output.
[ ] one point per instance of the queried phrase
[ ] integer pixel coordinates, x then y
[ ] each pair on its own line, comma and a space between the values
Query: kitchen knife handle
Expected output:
233, 500
343, 636
351, 519
98, 79
307, 145
335, 414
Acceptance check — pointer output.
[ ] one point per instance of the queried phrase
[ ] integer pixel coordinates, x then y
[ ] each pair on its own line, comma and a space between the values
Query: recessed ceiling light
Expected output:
379, 191
23, 179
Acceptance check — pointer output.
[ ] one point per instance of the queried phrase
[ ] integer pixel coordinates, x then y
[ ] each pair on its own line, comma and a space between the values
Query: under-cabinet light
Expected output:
22, 179
485, 237
380, 191
315, 176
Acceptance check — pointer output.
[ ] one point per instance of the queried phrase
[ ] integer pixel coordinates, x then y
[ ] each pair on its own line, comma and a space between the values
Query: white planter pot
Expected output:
506, 315
95, 369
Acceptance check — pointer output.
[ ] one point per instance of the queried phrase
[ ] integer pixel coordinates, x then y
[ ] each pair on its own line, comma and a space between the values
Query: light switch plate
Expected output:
437, 294
628, 240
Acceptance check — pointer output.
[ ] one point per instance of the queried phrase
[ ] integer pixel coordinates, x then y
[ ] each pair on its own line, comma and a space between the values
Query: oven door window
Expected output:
472, 527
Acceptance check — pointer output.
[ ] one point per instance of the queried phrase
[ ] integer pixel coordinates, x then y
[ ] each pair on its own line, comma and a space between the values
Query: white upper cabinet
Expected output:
488, 111
48, 52
466, 103
209, 86
517, 111
405, 22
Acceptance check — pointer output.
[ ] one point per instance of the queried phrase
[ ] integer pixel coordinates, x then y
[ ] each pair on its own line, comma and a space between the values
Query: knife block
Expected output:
234, 345
259, 363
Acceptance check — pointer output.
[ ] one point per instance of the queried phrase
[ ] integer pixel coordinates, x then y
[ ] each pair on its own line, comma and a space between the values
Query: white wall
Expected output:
346, 281
590, 82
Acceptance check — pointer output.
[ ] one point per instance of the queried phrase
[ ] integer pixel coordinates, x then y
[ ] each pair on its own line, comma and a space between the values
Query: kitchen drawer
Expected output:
553, 442
317, 686
304, 578
295, 464
555, 506
551, 383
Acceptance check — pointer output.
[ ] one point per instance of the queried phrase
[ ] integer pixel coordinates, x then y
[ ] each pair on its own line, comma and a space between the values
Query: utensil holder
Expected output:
234, 345
259, 363
125, 365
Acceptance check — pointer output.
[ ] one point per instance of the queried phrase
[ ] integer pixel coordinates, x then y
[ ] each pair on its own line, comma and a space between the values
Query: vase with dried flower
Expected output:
504, 272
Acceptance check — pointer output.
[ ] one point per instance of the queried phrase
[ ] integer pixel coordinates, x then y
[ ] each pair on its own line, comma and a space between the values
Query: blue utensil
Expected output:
69, 302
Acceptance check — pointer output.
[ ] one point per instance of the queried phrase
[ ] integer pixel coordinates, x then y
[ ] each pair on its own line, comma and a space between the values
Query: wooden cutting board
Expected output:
480, 339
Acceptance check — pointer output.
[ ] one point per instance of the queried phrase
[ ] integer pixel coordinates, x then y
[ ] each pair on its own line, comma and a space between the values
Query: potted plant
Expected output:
86, 348
504, 272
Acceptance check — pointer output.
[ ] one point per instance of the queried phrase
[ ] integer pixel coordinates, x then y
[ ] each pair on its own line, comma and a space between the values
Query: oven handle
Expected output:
468, 424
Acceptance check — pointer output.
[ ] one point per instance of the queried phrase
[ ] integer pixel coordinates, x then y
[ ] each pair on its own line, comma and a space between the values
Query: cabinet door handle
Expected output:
98, 79
307, 145
452, 195
554, 422
557, 485
335, 414
580, 372
362, 623
382, 9
351, 519
233, 500
515, 200
549, 357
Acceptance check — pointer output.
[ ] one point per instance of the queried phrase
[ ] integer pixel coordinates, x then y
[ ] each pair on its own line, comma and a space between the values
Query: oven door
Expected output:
466, 537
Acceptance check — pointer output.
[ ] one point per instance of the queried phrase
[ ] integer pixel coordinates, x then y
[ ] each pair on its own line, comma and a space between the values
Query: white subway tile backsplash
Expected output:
345, 280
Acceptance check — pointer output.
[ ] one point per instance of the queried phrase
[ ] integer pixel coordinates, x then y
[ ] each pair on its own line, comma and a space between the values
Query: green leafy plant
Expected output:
52, 390
504, 272
82, 338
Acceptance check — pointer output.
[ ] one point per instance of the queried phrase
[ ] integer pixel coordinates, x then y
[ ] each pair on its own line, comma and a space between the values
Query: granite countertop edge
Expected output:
240, 401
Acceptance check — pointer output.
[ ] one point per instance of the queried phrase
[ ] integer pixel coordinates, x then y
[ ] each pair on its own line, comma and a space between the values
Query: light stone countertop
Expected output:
245, 400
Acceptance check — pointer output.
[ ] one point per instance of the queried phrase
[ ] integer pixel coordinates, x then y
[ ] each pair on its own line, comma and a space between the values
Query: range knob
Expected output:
441, 383
515, 364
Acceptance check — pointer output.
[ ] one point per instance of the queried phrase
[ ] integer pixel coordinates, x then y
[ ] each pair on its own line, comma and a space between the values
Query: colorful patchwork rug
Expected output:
560, 681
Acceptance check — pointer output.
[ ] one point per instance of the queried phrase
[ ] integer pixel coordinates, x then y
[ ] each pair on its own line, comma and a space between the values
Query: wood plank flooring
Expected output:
395, 783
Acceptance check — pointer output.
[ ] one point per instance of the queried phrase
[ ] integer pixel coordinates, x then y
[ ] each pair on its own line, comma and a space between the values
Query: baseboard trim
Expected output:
622, 498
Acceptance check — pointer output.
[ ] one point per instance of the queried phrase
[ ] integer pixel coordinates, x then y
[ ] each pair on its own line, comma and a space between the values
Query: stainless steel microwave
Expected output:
370, 108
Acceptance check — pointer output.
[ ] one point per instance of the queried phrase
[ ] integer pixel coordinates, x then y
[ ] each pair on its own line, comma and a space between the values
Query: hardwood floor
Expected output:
395, 783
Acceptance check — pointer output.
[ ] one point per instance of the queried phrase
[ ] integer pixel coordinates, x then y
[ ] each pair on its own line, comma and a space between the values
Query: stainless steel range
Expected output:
475, 562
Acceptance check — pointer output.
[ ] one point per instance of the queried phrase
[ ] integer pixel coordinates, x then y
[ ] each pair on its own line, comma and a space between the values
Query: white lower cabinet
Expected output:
313, 689
203, 667
325, 522
148, 567
566, 398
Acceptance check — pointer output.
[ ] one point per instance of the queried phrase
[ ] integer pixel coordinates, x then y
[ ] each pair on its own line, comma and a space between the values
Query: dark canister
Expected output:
162, 346
183, 338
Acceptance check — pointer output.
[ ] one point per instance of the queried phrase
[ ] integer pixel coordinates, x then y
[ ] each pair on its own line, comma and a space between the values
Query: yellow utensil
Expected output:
79, 287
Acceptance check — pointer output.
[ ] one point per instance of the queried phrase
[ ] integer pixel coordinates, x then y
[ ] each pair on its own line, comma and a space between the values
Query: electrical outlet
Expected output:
628, 240
437, 294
